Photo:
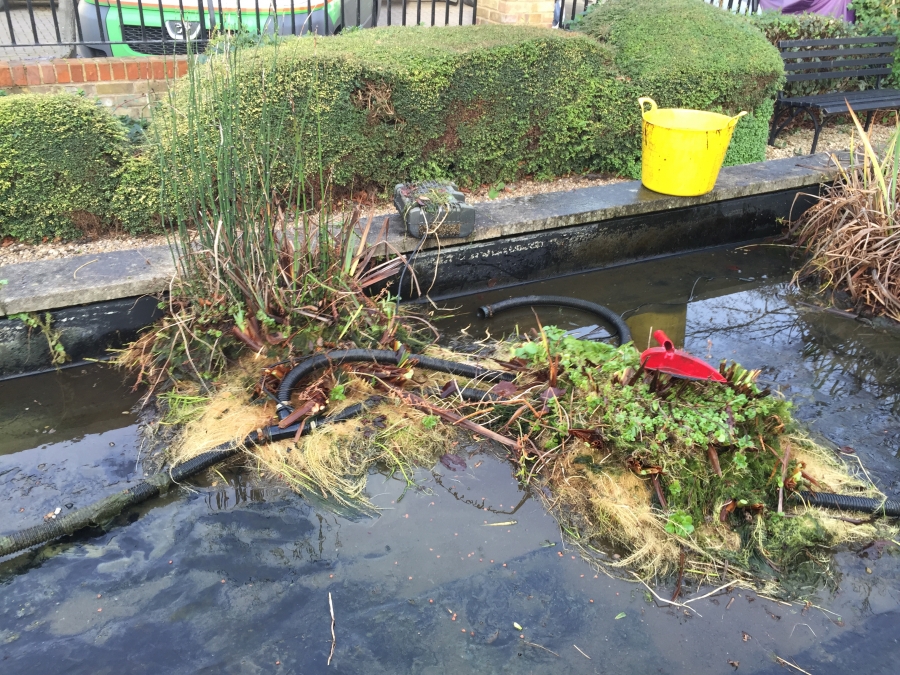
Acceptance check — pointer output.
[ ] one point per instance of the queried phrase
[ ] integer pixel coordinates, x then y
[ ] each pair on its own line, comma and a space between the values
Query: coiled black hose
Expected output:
487, 311
320, 361
888, 507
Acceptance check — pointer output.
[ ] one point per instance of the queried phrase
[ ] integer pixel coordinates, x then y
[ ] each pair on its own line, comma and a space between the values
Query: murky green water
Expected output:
235, 578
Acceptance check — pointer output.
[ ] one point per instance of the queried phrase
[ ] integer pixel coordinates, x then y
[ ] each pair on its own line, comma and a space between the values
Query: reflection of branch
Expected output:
472, 502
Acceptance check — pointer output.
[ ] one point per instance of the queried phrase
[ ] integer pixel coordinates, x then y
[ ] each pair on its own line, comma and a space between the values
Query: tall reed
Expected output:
263, 262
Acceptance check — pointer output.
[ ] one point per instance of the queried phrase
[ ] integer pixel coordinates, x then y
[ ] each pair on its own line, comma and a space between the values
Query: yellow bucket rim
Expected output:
726, 121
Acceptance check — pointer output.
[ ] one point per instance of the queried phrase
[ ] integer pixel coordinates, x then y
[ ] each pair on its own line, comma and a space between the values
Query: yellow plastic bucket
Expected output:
683, 150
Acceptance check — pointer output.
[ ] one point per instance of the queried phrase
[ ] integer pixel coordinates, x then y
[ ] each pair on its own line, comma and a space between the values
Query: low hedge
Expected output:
489, 103
879, 17
685, 54
477, 104
380, 106
58, 157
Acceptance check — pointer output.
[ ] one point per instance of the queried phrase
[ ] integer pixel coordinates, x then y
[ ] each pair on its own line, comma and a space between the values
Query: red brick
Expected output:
18, 75
48, 74
33, 74
76, 70
5, 75
131, 70
62, 72
158, 70
104, 71
118, 70
182, 67
90, 71
144, 69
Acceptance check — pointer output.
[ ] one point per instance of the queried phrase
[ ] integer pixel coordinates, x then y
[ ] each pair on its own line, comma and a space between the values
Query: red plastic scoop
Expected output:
677, 362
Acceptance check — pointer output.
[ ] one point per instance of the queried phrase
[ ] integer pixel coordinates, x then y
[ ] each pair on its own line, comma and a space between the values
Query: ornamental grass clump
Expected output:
852, 233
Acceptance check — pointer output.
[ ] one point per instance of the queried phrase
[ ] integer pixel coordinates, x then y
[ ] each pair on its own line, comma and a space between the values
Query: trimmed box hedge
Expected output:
58, 154
383, 106
685, 54
475, 105
491, 103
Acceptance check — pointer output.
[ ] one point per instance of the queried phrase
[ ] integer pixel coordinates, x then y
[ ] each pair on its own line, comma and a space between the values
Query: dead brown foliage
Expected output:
852, 234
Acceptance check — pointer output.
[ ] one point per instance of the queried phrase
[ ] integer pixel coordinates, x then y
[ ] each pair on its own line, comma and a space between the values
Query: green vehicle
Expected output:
139, 27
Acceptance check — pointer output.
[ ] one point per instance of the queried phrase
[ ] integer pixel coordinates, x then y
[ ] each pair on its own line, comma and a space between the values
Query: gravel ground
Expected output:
834, 138
12, 252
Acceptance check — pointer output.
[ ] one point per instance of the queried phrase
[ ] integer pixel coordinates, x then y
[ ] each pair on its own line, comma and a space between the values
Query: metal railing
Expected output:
55, 28
736, 6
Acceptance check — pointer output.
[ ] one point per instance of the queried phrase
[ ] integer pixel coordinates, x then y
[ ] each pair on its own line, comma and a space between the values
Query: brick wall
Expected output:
126, 86
533, 12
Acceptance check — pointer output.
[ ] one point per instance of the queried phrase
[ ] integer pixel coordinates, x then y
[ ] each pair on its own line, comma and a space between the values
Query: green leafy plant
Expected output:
58, 157
879, 17
58, 354
680, 523
495, 190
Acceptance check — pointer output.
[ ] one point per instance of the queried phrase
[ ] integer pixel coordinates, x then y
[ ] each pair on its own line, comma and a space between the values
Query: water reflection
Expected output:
844, 356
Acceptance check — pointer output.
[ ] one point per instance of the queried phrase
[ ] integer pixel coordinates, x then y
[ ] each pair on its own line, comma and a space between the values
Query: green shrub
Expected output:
483, 104
777, 26
479, 104
879, 17
135, 202
58, 157
686, 54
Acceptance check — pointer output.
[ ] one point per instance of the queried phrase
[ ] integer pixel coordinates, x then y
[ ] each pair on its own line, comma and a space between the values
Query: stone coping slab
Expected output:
82, 279
51, 284
552, 210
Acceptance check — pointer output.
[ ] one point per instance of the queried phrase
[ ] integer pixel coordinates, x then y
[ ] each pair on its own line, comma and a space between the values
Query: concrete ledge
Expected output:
553, 210
51, 284
607, 221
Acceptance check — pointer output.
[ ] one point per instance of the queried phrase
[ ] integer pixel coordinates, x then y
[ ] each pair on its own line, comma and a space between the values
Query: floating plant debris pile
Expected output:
671, 475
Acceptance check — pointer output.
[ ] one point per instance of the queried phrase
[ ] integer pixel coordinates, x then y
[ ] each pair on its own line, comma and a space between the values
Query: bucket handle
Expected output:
646, 99
734, 120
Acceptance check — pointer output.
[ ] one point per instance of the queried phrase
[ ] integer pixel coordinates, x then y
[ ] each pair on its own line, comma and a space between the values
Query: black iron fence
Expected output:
736, 6
56, 28
35, 28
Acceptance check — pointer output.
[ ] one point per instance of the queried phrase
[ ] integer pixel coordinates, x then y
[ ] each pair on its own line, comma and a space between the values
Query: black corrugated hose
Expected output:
887, 507
487, 311
386, 357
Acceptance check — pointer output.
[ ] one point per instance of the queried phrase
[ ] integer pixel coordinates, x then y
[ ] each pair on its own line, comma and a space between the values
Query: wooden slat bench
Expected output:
835, 59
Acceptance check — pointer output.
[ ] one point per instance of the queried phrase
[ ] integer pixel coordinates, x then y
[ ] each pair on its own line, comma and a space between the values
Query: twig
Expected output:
782, 662
75, 273
784, 465
533, 644
333, 639
712, 592
668, 602
803, 624
582, 653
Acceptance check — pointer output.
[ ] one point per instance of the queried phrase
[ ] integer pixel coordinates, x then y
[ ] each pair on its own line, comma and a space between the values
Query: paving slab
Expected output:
51, 284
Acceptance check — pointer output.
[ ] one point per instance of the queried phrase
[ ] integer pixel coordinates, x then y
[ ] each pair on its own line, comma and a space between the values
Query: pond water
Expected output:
235, 577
